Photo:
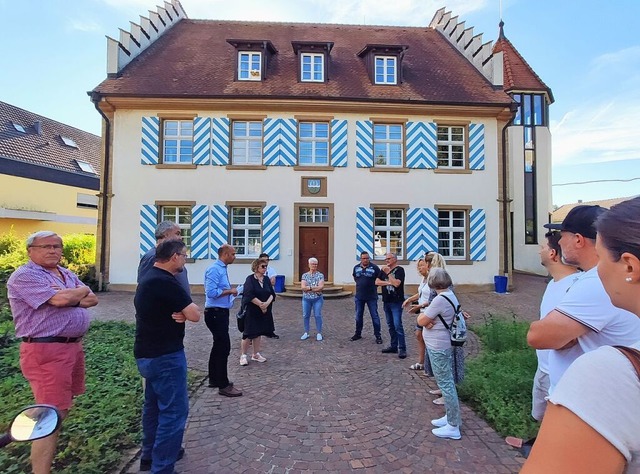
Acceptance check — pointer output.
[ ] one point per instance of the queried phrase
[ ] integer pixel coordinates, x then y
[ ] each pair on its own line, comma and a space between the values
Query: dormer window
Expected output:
313, 65
384, 63
252, 58
249, 66
386, 70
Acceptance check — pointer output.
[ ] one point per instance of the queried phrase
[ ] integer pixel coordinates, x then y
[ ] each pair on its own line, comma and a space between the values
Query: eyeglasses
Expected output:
48, 247
263, 266
185, 255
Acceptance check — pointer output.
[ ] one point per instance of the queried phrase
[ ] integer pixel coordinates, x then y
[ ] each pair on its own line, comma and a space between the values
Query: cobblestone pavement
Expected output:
335, 405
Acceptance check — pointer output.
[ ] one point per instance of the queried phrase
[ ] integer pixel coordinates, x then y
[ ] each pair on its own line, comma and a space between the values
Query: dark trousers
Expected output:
217, 320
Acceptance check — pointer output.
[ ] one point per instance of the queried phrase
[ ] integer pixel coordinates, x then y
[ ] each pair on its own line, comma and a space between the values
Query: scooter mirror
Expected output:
35, 422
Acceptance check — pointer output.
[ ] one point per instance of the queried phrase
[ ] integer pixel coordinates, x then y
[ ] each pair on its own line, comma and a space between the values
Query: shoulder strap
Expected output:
633, 355
456, 310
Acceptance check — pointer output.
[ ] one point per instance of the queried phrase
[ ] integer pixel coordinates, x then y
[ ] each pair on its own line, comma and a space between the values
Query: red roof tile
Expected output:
193, 59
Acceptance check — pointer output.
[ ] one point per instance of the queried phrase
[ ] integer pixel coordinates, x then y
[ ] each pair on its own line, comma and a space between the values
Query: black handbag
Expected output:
240, 316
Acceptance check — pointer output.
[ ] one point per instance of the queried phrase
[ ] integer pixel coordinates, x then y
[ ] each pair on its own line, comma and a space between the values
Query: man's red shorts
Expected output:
54, 370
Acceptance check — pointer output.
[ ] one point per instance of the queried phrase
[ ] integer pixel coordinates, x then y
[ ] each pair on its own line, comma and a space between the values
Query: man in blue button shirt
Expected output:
219, 298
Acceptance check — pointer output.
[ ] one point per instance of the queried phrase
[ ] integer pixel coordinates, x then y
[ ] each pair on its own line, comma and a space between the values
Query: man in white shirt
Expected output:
585, 318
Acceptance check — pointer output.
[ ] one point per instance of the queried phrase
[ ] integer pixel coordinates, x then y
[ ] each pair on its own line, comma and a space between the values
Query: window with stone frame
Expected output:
452, 234
388, 145
451, 146
181, 215
313, 144
177, 142
388, 232
246, 231
246, 142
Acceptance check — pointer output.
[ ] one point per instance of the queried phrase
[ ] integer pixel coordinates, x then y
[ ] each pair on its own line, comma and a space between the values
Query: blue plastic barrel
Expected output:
279, 284
500, 283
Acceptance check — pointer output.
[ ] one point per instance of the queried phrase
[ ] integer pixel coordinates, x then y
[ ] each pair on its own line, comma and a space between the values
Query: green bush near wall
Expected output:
498, 382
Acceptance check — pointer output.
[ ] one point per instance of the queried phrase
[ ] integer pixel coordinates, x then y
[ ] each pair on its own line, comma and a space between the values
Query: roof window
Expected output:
18, 127
68, 141
86, 166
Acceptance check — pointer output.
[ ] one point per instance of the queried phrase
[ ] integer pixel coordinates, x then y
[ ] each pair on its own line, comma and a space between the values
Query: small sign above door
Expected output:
314, 186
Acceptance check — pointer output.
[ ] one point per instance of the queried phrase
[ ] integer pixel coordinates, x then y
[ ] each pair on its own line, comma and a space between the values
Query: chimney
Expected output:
38, 126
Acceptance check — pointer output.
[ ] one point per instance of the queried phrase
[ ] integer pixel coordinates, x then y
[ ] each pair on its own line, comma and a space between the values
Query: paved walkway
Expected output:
332, 406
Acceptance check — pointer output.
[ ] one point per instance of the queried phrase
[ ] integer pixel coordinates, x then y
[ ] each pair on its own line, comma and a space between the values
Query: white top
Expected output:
423, 291
603, 389
438, 338
553, 294
588, 303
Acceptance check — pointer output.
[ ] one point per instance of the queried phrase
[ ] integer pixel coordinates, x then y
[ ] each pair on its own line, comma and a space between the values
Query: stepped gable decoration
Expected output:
132, 43
481, 55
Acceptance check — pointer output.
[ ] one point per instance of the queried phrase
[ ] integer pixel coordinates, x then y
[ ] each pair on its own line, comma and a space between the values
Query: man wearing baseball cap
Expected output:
585, 318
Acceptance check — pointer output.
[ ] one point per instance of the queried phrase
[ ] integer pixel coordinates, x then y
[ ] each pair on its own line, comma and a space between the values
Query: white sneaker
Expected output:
258, 357
440, 422
304, 336
243, 360
318, 337
447, 431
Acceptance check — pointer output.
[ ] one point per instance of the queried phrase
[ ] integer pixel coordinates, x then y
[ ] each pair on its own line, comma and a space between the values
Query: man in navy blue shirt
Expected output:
365, 274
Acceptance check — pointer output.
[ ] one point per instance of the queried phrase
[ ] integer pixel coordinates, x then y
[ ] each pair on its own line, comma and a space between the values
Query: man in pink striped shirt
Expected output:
49, 306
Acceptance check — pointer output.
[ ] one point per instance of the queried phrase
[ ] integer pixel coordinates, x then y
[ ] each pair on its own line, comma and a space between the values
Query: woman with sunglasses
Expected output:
258, 296
592, 421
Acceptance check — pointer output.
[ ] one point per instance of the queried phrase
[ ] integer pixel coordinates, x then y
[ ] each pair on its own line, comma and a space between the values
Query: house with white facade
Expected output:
322, 140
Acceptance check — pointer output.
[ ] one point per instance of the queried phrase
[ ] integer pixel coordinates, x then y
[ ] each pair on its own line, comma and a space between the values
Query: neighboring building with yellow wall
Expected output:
49, 175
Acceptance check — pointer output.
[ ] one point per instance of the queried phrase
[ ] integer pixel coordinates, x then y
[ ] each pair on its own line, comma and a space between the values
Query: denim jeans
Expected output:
217, 320
307, 306
443, 373
393, 315
373, 311
165, 409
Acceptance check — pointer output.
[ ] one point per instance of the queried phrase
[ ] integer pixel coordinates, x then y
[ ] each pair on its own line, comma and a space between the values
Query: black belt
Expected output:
216, 309
51, 339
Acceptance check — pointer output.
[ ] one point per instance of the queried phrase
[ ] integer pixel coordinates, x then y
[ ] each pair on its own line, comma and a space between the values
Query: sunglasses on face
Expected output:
263, 266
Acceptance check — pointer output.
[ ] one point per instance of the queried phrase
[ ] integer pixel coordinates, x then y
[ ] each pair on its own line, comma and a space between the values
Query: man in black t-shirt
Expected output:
391, 280
162, 308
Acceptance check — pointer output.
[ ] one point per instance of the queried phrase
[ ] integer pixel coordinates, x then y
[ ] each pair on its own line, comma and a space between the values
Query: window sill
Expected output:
458, 262
452, 171
312, 168
246, 167
389, 170
164, 166
245, 260
190, 260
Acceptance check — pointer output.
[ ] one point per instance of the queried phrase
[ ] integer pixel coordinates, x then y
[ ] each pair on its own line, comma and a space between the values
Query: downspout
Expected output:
505, 187
95, 98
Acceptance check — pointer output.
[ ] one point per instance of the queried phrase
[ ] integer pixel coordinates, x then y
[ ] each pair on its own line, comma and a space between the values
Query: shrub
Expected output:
498, 383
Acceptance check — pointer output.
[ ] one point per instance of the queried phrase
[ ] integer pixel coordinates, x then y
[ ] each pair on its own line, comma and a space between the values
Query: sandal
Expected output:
417, 366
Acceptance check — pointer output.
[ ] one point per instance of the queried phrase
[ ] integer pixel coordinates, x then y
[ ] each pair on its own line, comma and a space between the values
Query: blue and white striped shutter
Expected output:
288, 143
364, 231
431, 130
415, 233
417, 146
338, 143
476, 146
220, 141
201, 140
430, 229
200, 231
271, 231
271, 145
218, 225
148, 223
150, 141
478, 235
364, 144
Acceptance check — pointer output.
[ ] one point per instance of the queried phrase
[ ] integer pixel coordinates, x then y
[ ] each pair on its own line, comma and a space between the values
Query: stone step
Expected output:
328, 289
331, 295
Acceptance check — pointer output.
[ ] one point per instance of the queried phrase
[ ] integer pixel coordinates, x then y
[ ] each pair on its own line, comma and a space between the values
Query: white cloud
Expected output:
83, 25
621, 58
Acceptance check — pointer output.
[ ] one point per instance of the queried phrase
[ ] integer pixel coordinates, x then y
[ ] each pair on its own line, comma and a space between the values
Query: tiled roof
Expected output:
193, 59
47, 148
559, 214
518, 75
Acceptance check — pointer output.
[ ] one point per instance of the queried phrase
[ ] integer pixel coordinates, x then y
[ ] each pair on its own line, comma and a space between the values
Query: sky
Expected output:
586, 51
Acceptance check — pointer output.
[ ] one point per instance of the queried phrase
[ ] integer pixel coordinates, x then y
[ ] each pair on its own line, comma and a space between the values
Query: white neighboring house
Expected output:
320, 140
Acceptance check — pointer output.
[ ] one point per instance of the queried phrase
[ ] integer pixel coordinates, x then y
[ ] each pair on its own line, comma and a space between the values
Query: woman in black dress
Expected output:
257, 297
